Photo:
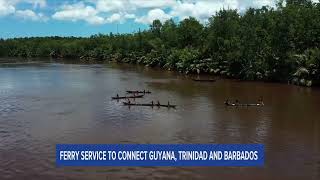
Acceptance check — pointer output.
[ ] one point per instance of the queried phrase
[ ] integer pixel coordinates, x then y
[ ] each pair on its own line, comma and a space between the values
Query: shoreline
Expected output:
35, 60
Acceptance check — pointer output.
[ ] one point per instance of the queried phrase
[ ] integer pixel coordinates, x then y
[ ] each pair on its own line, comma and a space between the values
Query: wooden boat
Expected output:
244, 105
204, 80
149, 105
128, 97
138, 92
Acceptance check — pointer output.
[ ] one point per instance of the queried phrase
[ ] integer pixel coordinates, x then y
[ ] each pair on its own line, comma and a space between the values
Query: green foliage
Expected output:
307, 67
269, 44
189, 33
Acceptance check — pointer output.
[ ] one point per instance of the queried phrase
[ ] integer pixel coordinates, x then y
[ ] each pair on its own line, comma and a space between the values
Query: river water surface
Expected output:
44, 104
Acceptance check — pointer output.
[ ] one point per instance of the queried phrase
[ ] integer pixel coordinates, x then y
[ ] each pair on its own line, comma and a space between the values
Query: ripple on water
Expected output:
9, 105
43, 106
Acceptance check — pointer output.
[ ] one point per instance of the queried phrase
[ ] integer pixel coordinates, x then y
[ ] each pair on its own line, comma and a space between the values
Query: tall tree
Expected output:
189, 33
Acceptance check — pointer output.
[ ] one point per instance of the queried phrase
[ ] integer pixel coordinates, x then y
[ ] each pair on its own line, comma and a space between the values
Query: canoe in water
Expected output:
244, 105
138, 92
128, 97
204, 80
149, 105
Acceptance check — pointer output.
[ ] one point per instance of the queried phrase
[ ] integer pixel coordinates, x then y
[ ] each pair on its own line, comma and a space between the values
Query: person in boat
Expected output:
227, 102
144, 91
158, 103
152, 103
168, 103
117, 95
260, 101
237, 102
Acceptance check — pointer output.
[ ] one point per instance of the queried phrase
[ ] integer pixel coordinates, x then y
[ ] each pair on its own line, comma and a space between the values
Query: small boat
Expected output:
244, 105
204, 80
149, 105
138, 92
128, 97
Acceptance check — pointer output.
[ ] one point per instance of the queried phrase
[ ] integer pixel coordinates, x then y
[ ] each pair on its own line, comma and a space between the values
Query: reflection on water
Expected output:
48, 103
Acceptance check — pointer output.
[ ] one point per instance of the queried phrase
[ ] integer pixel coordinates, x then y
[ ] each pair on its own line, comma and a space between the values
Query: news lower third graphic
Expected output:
160, 155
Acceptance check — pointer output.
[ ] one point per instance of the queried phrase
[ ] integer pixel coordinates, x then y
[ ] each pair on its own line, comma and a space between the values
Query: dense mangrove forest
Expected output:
270, 44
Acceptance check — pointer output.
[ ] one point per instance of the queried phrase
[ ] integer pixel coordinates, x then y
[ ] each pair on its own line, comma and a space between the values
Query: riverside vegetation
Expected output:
270, 44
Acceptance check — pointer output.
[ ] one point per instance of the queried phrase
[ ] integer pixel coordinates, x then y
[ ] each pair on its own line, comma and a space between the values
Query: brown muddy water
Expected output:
43, 104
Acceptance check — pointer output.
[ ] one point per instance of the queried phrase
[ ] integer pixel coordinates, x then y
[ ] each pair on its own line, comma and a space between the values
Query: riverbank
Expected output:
279, 44
204, 67
192, 71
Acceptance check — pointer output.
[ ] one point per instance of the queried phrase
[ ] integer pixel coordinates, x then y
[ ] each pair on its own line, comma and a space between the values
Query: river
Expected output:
43, 104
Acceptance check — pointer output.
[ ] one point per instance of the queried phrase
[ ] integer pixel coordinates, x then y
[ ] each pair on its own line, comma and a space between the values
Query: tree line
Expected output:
269, 44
